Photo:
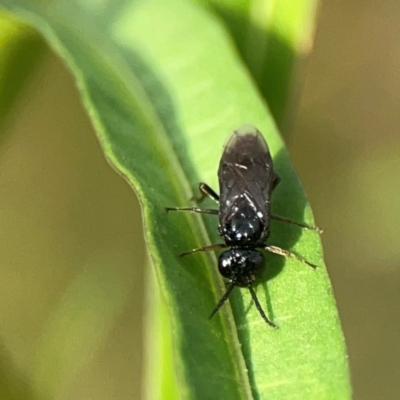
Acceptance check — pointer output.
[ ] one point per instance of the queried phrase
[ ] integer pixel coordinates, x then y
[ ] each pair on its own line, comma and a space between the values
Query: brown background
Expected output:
346, 147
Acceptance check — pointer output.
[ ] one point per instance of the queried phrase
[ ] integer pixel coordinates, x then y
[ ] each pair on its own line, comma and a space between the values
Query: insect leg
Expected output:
286, 253
205, 191
259, 308
223, 299
193, 209
289, 221
275, 181
205, 248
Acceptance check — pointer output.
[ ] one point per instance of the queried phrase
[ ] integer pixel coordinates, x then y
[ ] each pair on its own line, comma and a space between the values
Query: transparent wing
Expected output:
246, 173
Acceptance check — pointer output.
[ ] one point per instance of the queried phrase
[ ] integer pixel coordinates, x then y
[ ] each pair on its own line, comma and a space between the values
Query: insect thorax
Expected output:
243, 227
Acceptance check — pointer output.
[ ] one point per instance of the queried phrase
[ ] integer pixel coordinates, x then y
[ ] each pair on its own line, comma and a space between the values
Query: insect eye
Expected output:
225, 262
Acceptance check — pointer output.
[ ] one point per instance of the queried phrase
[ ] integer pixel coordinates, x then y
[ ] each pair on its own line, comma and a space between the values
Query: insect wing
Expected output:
246, 173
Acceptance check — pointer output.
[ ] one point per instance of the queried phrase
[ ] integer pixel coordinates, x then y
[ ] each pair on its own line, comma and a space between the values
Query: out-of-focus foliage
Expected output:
20, 51
273, 38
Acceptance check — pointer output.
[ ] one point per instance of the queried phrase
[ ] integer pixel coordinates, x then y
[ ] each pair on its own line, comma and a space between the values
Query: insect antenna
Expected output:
259, 308
223, 299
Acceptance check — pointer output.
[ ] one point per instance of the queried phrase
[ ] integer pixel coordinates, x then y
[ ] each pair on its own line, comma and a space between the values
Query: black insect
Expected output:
246, 180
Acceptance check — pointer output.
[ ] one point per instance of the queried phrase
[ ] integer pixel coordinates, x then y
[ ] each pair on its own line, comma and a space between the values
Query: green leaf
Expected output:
164, 87
273, 37
20, 51
160, 378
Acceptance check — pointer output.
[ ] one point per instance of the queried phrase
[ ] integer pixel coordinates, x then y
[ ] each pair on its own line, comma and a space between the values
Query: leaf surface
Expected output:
273, 38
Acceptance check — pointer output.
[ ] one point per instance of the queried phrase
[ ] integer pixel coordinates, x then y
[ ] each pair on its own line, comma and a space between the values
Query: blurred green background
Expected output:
64, 211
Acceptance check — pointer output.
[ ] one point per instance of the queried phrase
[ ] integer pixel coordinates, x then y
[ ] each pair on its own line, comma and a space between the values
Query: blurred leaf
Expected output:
21, 49
272, 37
13, 385
160, 381
78, 326
164, 88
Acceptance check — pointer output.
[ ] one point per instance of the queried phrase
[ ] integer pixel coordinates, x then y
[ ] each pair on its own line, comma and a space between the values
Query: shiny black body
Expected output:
246, 182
